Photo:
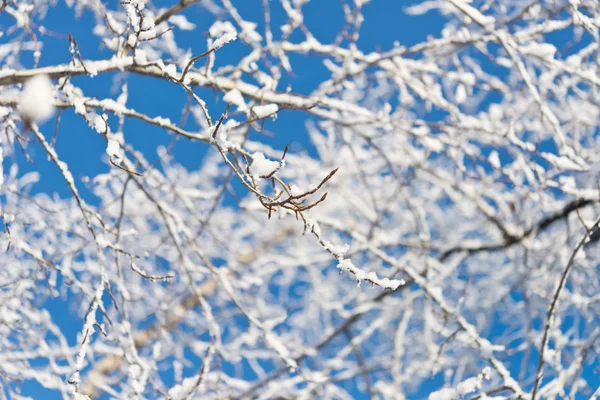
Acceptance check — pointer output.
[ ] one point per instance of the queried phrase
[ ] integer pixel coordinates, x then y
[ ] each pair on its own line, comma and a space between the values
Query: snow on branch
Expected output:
196, 209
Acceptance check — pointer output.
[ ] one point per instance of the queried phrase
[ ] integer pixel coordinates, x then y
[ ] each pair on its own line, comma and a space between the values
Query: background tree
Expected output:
428, 232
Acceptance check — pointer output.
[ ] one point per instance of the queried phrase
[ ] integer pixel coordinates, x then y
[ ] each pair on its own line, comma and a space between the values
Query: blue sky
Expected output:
385, 23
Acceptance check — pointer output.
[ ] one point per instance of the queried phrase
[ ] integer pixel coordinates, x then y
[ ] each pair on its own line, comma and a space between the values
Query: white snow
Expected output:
265, 80
468, 386
465, 387
339, 251
432, 143
182, 23
170, 70
223, 40
98, 122
494, 159
540, 50
262, 166
486, 373
295, 190
141, 57
345, 264
461, 94
221, 27
37, 98
182, 391
473, 13
275, 343
444, 394
265, 110
103, 241
113, 149
563, 163
249, 31
235, 96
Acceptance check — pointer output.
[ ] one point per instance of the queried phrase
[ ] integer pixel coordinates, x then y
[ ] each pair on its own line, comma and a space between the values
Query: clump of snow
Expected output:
170, 70
161, 121
114, 151
183, 390
182, 22
338, 251
316, 377
295, 190
265, 80
540, 50
265, 110
494, 159
432, 143
249, 32
345, 264
563, 162
468, 386
220, 28
275, 343
36, 103
140, 56
461, 94
486, 373
98, 122
113, 148
444, 394
223, 40
225, 32
263, 167
228, 136
235, 96
465, 387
